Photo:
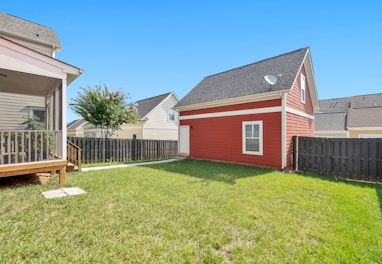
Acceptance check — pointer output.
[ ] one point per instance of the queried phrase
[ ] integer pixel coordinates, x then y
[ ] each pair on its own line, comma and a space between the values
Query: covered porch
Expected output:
32, 85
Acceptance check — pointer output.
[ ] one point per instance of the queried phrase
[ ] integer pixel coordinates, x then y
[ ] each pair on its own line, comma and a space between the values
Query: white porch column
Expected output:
63, 118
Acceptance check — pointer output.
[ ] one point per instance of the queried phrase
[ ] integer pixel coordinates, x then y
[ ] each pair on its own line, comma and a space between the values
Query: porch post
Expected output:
62, 113
62, 177
63, 119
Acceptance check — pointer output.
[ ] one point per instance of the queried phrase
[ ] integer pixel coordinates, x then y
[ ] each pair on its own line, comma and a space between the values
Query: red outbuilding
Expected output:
249, 114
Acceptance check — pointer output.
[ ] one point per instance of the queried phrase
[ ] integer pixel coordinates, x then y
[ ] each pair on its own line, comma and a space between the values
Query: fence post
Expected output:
133, 147
295, 152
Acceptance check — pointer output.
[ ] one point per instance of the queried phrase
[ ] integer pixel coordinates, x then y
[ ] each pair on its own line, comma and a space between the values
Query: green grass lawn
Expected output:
193, 212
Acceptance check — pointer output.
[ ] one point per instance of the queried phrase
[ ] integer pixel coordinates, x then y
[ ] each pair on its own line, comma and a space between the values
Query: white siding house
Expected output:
158, 121
32, 82
162, 121
15, 107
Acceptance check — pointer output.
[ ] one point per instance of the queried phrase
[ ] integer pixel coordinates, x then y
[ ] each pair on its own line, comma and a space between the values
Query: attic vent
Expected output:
334, 103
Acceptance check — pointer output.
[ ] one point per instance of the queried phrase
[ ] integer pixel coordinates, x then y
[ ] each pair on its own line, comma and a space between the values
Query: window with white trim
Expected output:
38, 112
253, 137
303, 92
171, 114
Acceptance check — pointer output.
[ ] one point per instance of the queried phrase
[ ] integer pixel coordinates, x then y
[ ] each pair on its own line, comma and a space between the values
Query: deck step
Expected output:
71, 167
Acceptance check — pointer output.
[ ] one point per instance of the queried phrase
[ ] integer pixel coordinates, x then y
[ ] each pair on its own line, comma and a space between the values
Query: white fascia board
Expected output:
311, 80
17, 56
264, 110
298, 112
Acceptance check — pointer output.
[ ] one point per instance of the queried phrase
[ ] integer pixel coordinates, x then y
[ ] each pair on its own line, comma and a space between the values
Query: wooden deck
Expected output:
51, 166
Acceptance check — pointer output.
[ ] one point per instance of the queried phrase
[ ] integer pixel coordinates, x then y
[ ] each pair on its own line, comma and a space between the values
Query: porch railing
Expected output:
74, 154
19, 146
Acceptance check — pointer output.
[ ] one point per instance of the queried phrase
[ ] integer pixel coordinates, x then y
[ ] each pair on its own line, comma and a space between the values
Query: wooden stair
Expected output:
74, 157
71, 167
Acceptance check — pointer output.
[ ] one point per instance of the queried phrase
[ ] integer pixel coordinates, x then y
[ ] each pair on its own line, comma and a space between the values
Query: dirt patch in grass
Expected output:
22, 180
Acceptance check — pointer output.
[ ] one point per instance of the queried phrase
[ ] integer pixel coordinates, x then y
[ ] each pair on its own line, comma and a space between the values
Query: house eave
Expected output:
56, 47
311, 80
53, 68
233, 101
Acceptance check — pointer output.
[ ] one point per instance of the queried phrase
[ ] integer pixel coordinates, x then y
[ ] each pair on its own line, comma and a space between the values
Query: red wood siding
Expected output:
220, 138
294, 97
298, 125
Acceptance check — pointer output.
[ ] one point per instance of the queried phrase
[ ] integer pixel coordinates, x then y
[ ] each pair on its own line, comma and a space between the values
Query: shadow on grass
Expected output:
22, 180
377, 186
229, 173
211, 171
378, 189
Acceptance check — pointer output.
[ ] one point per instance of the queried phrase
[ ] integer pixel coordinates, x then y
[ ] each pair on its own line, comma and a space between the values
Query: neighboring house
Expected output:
331, 119
32, 82
239, 116
158, 120
354, 117
76, 128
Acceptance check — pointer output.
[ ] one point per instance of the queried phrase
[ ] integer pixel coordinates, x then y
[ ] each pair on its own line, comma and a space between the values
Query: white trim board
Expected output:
263, 110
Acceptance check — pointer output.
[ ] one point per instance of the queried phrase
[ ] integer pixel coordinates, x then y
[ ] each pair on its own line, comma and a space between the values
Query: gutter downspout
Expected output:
283, 130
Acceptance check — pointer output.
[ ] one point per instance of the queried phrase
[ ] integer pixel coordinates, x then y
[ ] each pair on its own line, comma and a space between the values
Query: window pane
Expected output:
256, 131
40, 114
252, 145
171, 114
248, 131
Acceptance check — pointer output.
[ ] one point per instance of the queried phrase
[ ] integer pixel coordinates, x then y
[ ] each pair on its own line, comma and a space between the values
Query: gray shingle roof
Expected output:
354, 111
146, 105
76, 123
329, 121
23, 28
365, 117
336, 105
247, 80
370, 100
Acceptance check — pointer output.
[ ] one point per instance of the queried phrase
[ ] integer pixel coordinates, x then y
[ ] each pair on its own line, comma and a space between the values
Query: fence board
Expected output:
359, 159
124, 150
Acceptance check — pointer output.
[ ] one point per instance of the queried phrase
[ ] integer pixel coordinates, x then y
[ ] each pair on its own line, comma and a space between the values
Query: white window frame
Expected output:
260, 137
36, 108
171, 110
303, 88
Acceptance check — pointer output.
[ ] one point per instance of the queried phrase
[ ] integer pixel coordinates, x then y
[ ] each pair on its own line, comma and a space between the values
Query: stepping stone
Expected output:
63, 192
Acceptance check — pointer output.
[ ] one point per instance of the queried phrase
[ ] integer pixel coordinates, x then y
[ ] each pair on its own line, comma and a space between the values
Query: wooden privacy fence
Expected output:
353, 158
123, 150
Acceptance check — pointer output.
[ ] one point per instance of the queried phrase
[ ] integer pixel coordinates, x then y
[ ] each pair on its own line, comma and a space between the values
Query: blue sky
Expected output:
148, 48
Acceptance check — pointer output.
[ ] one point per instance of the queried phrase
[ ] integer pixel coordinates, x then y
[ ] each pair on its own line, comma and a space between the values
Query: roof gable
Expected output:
247, 80
21, 28
23, 59
145, 106
76, 124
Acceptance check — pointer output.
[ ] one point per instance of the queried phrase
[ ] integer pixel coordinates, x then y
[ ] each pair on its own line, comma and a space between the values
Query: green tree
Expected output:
105, 109
32, 123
